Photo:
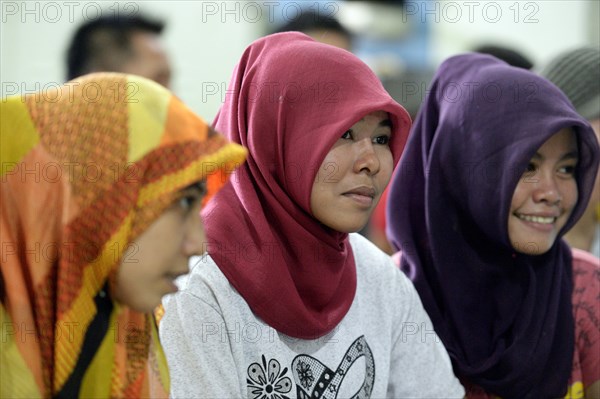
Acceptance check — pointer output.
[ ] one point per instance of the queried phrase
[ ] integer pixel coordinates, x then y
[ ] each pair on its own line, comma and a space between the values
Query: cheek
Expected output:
328, 173
319, 195
129, 277
130, 262
570, 194
332, 167
519, 196
386, 166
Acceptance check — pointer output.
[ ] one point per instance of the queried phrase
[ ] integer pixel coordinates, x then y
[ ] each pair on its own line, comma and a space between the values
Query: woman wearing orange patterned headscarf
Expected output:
102, 180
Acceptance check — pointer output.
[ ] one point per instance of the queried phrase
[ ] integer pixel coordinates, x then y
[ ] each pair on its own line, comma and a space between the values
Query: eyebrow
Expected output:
197, 186
569, 155
383, 123
386, 123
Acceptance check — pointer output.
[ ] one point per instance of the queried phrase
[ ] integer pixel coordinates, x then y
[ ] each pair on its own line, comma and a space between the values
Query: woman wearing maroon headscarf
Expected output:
289, 302
498, 167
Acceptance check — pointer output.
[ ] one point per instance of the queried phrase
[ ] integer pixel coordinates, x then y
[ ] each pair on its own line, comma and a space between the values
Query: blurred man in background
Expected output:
507, 54
128, 44
322, 28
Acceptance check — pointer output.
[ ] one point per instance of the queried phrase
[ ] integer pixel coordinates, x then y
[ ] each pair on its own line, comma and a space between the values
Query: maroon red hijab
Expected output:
505, 318
289, 100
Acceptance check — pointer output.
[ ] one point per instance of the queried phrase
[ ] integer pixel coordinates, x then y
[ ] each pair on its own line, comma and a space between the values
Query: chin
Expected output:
533, 253
354, 228
144, 307
532, 248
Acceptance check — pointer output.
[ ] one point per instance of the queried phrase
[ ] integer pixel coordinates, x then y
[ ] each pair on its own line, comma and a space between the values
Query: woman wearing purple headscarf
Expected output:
498, 167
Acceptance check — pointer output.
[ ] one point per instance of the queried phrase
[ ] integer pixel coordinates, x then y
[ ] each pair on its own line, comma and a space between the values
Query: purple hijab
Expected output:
504, 317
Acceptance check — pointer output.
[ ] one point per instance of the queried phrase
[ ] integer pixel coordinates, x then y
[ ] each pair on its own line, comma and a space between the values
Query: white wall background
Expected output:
206, 38
203, 40
539, 29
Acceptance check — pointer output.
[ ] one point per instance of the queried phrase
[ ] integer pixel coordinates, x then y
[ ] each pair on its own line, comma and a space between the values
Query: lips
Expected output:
542, 218
537, 219
172, 287
365, 191
543, 222
171, 277
363, 196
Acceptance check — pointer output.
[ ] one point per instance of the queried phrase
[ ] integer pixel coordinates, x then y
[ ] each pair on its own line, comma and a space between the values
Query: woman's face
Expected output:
545, 195
160, 254
354, 174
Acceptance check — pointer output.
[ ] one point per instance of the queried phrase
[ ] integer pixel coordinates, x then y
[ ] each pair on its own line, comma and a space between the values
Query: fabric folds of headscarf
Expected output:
86, 168
289, 100
505, 317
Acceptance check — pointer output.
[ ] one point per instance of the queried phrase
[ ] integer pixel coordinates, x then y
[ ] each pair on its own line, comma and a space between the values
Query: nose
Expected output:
546, 189
194, 241
366, 158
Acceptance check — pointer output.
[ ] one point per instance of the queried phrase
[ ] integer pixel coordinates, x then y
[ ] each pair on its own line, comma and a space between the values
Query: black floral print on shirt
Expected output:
268, 381
314, 380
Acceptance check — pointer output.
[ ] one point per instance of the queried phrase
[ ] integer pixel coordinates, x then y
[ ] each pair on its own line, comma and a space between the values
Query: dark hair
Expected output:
97, 40
311, 20
508, 55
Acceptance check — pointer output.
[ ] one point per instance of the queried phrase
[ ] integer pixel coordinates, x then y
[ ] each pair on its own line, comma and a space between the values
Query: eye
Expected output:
567, 170
347, 135
382, 140
192, 196
531, 168
188, 201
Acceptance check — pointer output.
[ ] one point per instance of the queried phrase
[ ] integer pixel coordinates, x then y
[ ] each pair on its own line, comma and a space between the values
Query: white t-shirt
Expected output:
385, 346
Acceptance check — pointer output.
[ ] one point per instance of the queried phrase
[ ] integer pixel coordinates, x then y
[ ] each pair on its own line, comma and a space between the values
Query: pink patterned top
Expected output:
586, 312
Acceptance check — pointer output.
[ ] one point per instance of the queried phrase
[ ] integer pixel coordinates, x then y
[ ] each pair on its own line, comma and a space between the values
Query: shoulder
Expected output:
375, 267
586, 287
362, 247
586, 272
205, 282
584, 261
203, 271
368, 257
586, 312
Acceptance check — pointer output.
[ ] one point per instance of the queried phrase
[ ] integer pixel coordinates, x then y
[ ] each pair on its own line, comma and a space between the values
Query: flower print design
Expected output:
315, 380
305, 374
267, 380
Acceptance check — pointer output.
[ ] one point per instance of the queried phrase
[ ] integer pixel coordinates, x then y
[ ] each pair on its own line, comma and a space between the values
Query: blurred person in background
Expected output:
506, 54
322, 28
577, 74
127, 44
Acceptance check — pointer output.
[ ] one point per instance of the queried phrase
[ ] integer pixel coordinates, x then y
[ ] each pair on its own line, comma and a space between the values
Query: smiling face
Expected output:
354, 174
161, 253
545, 195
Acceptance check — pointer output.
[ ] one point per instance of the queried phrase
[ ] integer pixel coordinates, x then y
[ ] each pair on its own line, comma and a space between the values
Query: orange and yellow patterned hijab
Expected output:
85, 168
